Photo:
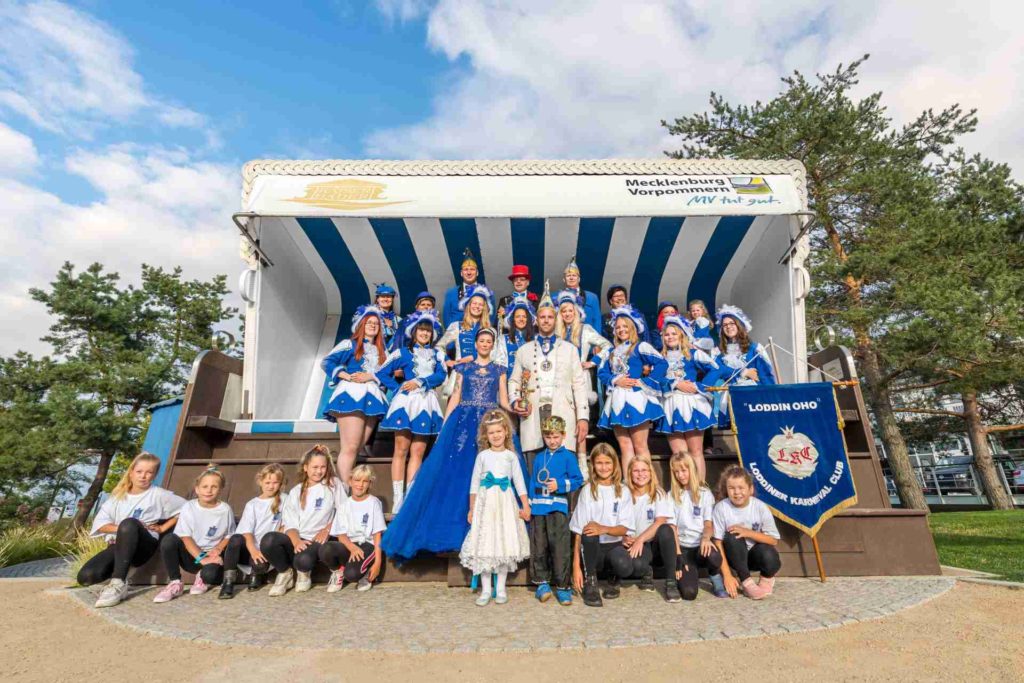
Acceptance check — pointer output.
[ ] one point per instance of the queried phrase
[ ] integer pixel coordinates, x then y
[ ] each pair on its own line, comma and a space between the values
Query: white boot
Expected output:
284, 582
303, 582
398, 490
485, 590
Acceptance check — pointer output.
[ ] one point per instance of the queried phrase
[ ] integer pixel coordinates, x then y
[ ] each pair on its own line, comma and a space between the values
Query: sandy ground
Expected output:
972, 633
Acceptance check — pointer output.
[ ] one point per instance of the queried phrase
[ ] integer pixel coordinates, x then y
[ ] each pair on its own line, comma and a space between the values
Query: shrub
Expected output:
37, 542
81, 549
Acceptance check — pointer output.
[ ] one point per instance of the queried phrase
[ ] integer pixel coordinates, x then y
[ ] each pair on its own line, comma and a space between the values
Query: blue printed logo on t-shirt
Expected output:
615, 508
319, 503
366, 518
211, 532
696, 510
756, 526
137, 513
277, 516
650, 514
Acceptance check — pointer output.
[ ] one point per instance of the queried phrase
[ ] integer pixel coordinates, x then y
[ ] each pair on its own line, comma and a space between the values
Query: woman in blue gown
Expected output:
433, 517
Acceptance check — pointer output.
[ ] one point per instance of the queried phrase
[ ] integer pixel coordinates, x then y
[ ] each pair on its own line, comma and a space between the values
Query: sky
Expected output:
124, 125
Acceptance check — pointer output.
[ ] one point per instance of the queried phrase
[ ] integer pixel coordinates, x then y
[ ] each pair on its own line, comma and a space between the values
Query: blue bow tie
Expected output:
490, 480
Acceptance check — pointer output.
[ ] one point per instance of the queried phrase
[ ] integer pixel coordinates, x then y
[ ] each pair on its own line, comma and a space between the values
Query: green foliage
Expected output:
983, 541
82, 548
25, 543
117, 349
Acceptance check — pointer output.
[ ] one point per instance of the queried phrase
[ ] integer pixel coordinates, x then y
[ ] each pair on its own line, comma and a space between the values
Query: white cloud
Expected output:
402, 10
158, 206
571, 79
68, 72
17, 152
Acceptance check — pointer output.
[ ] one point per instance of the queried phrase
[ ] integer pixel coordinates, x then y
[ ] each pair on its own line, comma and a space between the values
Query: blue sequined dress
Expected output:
433, 517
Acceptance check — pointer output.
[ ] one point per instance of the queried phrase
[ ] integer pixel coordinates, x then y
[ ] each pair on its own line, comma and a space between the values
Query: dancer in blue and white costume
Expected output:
572, 326
358, 401
742, 362
459, 339
384, 299
632, 404
689, 408
700, 319
415, 414
520, 319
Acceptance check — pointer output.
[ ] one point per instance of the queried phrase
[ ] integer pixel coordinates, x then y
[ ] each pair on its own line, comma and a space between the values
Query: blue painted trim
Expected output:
272, 427
460, 233
722, 246
595, 236
528, 250
654, 254
393, 235
327, 241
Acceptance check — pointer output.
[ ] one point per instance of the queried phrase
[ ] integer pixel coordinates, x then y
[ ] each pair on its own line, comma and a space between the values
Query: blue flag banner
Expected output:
790, 438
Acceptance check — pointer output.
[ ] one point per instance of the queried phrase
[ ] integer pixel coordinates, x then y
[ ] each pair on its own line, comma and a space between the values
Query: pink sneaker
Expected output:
170, 591
198, 586
752, 590
767, 584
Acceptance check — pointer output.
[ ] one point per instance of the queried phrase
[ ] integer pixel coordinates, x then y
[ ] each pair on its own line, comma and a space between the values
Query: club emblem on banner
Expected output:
793, 453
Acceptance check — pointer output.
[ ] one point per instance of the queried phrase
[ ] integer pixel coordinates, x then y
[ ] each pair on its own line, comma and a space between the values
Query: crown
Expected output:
553, 424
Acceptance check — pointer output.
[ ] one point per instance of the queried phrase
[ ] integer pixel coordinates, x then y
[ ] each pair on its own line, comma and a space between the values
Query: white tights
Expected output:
485, 582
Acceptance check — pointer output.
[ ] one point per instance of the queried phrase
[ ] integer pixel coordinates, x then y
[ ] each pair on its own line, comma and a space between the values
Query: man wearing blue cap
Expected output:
470, 272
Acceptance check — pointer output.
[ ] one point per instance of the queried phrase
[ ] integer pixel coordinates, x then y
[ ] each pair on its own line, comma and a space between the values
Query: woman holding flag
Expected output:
742, 362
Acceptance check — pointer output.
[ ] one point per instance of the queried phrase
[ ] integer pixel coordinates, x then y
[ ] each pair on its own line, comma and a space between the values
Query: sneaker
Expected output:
198, 586
591, 596
364, 585
543, 592
612, 591
752, 590
483, 599
672, 591
564, 596
170, 591
113, 593
284, 582
303, 582
767, 583
500, 598
336, 581
718, 586
647, 582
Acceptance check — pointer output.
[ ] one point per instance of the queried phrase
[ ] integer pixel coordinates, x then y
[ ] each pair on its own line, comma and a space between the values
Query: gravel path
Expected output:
432, 618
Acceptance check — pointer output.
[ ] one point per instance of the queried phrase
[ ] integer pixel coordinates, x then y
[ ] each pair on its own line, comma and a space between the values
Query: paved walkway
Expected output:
404, 618
56, 567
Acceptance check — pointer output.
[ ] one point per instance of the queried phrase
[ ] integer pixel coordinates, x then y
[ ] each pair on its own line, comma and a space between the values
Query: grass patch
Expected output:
81, 549
37, 542
987, 541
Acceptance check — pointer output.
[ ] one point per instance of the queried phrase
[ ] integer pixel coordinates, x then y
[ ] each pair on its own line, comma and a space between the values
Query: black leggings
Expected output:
761, 557
661, 547
280, 552
598, 556
132, 547
334, 555
176, 558
690, 563
237, 553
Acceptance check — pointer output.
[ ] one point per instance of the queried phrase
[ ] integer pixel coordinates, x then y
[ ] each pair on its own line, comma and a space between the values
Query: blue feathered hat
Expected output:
635, 316
569, 297
418, 317
685, 325
384, 289
475, 290
362, 313
737, 314
520, 304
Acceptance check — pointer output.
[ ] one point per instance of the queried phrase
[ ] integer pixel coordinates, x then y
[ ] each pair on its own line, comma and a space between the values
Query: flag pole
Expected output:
817, 556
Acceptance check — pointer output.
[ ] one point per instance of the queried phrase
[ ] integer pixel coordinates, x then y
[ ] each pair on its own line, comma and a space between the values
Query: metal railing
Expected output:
959, 483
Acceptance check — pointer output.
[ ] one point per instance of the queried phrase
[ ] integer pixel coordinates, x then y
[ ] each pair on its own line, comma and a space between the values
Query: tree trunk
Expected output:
907, 485
88, 501
997, 494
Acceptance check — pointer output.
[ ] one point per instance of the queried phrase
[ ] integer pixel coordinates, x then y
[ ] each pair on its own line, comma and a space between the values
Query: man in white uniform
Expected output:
548, 379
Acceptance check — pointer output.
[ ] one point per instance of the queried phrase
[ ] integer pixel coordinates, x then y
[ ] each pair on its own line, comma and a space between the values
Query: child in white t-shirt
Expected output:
692, 511
200, 536
260, 516
652, 541
354, 556
602, 518
746, 535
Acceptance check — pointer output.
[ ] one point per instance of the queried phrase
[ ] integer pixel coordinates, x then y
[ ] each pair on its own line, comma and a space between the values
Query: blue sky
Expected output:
124, 124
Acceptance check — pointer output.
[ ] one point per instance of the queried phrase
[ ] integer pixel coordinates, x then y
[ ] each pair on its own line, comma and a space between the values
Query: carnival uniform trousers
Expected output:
551, 550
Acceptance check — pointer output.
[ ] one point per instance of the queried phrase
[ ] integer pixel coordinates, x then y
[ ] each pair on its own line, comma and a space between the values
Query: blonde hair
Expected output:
492, 417
124, 485
609, 452
703, 307
211, 471
363, 471
634, 334
268, 471
485, 315
324, 452
694, 485
576, 331
653, 488
684, 343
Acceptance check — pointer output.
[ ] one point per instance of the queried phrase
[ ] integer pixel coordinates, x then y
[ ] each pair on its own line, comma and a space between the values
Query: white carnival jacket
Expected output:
565, 385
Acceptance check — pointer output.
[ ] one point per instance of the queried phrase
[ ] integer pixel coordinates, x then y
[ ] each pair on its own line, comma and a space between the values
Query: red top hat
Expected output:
520, 271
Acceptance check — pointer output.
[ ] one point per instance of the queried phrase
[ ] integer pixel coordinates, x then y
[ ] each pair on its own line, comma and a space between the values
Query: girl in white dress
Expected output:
497, 541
